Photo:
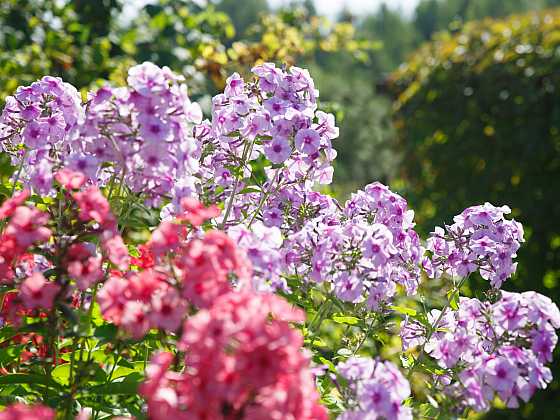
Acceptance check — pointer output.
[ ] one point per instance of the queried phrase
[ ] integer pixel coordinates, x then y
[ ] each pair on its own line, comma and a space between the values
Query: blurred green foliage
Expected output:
84, 41
39, 37
478, 119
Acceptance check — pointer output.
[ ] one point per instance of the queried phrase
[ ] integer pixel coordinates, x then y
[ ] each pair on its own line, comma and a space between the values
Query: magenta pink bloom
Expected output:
83, 265
93, 206
9, 206
168, 310
27, 226
69, 179
208, 265
242, 354
115, 250
27, 412
37, 292
135, 318
112, 298
165, 238
195, 213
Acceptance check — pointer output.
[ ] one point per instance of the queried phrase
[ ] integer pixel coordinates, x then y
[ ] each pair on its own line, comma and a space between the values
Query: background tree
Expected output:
478, 118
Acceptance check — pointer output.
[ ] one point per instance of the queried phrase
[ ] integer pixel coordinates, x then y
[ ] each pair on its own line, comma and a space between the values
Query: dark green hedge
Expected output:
478, 119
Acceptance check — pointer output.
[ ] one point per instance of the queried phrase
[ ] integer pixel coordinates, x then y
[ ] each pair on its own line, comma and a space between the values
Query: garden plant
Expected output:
155, 264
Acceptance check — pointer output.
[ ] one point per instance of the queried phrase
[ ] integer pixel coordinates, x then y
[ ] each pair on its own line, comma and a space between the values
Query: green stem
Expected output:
18, 174
434, 327
235, 186
264, 197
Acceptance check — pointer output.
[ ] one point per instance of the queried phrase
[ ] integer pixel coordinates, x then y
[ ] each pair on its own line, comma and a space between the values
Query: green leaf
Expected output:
61, 374
25, 378
128, 386
403, 310
406, 360
328, 363
348, 320
10, 354
453, 296
6, 333
121, 371
106, 332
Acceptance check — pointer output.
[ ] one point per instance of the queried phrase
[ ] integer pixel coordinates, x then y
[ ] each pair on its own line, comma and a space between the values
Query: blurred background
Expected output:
450, 102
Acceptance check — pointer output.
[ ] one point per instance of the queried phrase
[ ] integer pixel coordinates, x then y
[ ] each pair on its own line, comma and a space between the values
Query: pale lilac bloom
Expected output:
307, 141
277, 150
234, 85
501, 375
378, 390
348, 287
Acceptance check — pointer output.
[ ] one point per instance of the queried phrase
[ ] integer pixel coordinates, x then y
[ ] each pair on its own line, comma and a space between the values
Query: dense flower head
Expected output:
378, 390
43, 119
143, 130
25, 228
243, 361
84, 265
262, 245
139, 134
11, 204
140, 301
272, 117
492, 349
209, 267
37, 292
178, 267
365, 250
93, 207
480, 239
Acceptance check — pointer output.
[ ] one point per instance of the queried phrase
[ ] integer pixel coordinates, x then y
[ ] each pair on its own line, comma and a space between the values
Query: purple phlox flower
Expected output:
146, 78
277, 150
501, 374
234, 85
510, 315
348, 287
307, 141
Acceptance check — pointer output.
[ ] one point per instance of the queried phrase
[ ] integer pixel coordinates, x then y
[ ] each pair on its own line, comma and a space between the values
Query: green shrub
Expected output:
478, 118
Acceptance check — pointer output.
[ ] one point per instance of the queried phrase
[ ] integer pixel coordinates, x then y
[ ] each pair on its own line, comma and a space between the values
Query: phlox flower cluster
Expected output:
480, 239
23, 227
143, 131
177, 271
38, 127
262, 246
364, 250
292, 206
82, 259
488, 350
263, 240
377, 390
243, 360
272, 116
28, 227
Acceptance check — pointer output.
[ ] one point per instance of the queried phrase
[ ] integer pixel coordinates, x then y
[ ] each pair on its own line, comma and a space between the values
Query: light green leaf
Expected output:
403, 310
348, 320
